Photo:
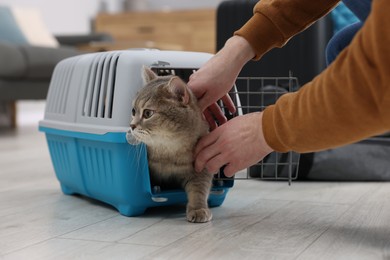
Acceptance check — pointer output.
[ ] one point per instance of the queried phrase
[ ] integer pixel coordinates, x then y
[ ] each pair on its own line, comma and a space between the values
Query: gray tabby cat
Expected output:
167, 119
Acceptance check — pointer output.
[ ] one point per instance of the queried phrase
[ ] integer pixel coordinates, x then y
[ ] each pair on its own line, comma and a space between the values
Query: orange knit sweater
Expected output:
347, 102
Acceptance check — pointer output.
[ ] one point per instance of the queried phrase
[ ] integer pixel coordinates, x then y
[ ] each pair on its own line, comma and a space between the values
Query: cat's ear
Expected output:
179, 88
147, 74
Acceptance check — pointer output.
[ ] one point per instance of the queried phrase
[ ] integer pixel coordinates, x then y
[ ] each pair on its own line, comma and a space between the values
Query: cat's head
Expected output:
164, 111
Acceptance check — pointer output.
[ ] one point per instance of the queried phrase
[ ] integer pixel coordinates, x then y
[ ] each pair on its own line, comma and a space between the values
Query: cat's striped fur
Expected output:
167, 119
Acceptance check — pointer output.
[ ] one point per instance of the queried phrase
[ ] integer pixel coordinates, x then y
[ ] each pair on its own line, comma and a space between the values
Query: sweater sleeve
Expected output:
274, 22
347, 102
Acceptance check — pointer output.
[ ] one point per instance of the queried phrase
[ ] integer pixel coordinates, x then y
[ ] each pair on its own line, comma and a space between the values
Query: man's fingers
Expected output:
210, 119
230, 170
215, 163
203, 102
216, 111
228, 103
205, 150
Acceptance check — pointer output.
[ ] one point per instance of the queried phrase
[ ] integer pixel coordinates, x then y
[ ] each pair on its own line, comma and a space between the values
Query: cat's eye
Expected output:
133, 112
147, 113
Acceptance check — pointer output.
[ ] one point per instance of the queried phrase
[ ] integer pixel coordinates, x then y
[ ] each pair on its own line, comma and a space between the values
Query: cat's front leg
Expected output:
198, 189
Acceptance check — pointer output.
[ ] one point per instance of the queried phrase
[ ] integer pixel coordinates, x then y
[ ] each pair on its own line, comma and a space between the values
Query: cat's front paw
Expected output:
199, 215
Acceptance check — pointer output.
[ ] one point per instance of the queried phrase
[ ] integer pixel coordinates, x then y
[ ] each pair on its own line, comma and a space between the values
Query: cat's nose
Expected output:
132, 126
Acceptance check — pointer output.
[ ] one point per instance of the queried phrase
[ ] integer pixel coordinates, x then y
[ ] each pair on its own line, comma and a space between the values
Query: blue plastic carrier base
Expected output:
106, 168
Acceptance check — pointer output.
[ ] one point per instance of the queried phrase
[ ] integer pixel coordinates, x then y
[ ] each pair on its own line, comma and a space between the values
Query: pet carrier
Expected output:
87, 115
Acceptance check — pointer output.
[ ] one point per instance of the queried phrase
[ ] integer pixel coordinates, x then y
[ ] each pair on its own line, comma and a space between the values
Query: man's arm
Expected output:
274, 22
347, 102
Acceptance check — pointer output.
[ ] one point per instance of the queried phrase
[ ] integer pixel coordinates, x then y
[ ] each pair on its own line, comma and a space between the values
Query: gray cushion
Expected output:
12, 61
367, 160
42, 60
30, 62
9, 28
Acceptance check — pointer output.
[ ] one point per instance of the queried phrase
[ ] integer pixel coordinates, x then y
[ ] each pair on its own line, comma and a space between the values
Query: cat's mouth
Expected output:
131, 139
136, 136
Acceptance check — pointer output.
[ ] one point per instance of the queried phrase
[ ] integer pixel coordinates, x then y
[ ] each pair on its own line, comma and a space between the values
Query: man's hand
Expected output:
216, 77
237, 144
214, 114
209, 84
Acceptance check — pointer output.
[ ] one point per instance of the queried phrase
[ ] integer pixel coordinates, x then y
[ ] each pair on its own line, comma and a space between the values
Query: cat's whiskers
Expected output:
137, 153
140, 149
141, 135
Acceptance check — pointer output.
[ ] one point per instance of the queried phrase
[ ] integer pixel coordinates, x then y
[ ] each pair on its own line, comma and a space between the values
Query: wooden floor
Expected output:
258, 220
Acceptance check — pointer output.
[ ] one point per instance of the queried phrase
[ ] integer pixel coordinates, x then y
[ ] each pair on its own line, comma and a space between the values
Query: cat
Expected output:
167, 119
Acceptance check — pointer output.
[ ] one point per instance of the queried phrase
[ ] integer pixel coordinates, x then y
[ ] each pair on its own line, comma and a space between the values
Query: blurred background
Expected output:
73, 16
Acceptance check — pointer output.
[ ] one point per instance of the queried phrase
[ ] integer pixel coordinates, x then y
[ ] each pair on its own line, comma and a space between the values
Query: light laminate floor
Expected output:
258, 220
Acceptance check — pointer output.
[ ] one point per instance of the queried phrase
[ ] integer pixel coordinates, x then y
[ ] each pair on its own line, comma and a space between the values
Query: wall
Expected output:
74, 16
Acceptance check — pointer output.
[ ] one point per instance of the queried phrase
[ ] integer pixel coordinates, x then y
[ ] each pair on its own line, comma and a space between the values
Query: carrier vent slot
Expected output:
59, 89
60, 156
184, 74
97, 165
99, 96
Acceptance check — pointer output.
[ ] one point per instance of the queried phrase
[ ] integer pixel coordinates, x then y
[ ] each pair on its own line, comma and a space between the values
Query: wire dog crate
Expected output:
253, 94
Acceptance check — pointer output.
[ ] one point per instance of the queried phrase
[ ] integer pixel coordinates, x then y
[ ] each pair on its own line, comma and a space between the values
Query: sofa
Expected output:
28, 58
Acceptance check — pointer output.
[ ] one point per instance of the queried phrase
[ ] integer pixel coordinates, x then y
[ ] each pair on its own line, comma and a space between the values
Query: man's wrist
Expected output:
263, 141
240, 49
